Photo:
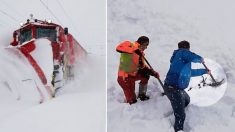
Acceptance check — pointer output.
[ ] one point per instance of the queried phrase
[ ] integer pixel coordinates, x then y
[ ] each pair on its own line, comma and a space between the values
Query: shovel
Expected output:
214, 83
159, 80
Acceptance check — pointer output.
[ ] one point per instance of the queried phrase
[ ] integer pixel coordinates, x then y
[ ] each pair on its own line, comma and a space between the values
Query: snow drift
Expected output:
80, 104
207, 25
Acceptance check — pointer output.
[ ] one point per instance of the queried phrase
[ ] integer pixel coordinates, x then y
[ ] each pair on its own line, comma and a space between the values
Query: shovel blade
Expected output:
217, 84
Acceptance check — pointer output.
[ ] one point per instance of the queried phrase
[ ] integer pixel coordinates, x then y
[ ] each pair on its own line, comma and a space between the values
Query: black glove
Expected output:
155, 74
138, 52
145, 72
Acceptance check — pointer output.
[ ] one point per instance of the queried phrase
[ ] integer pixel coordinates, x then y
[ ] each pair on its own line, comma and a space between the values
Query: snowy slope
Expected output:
81, 103
207, 25
78, 106
60, 115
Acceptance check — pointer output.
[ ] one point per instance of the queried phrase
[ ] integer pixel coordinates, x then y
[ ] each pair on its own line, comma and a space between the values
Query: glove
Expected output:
138, 52
145, 72
155, 74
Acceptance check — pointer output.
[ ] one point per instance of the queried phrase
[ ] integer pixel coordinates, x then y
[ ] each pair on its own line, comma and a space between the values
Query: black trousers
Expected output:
179, 100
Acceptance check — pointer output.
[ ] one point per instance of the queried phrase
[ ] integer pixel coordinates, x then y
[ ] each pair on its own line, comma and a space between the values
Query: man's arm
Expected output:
198, 72
192, 57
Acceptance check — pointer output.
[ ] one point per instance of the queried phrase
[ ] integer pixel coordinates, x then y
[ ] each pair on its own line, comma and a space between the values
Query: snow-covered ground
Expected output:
80, 105
207, 24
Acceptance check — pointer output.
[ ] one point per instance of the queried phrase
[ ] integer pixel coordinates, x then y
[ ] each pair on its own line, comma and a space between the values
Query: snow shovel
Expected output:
214, 83
159, 80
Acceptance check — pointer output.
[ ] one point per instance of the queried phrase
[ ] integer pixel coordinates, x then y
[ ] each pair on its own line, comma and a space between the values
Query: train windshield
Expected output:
25, 35
49, 33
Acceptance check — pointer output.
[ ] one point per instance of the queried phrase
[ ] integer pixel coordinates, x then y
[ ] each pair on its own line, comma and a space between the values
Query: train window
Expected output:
25, 35
49, 33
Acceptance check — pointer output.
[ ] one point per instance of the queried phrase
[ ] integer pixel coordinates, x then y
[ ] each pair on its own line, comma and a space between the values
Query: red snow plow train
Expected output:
66, 51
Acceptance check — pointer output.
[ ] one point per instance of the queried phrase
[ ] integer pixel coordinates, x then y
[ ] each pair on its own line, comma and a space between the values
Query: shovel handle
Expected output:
160, 81
148, 63
210, 73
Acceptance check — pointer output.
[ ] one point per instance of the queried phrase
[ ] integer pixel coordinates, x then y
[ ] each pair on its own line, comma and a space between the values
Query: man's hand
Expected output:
155, 74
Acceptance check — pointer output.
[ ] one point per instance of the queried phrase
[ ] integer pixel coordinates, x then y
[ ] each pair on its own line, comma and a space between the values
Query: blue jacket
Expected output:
180, 70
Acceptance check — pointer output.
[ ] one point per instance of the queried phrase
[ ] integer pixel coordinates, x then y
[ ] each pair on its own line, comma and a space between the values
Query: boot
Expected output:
142, 92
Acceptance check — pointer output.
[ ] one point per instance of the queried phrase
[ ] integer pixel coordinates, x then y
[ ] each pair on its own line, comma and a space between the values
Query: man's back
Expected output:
180, 69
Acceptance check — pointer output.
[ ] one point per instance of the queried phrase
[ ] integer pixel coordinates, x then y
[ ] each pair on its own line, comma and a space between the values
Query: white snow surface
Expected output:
207, 95
207, 24
44, 57
80, 105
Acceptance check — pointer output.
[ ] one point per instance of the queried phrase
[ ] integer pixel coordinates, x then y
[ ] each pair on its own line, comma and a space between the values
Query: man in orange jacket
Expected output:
133, 68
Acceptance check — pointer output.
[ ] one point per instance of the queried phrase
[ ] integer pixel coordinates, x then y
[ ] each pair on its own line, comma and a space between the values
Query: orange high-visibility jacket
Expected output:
129, 60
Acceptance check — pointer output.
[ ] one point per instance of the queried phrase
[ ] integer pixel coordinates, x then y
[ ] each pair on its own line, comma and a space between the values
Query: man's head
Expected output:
144, 42
184, 44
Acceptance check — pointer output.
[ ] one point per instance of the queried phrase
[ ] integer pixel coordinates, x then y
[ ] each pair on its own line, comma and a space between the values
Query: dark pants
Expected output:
179, 100
128, 85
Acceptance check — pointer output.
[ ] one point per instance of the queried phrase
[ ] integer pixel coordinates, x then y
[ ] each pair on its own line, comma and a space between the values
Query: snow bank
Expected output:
44, 57
207, 25
80, 106
207, 95
74, 112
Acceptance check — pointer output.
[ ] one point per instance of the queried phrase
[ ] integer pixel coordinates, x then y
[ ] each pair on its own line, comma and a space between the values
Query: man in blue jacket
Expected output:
178, 78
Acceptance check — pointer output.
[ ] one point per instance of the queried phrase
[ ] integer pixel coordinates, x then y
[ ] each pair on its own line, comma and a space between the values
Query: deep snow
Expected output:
77, 106
207, 95
207, 25
81, 103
